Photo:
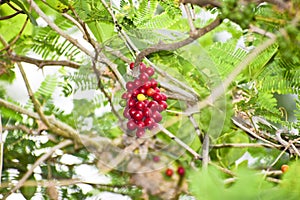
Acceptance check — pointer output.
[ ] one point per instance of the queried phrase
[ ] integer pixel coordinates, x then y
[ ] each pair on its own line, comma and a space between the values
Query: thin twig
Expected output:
181, 143
37, 163
189, 18
241, 126
241, 145
42, 63
36, 104
205, 151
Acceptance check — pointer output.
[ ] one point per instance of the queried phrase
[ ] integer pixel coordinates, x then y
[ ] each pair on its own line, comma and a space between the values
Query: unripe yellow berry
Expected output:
141, 97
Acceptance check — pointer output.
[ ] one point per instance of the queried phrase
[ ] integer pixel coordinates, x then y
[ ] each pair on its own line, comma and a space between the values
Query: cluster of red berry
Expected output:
145, 102
180, 171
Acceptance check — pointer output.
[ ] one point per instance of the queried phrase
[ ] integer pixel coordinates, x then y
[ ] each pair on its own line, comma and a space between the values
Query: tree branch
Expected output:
42, 63
202, 2
161, 46
37, 163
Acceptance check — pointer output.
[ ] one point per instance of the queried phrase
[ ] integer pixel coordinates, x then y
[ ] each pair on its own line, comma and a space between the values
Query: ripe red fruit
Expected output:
131, 65
135, 92
150, 71
143, 67
149, 122
153, 105
157, 97
163, 96
284, 168
131, 125
153, 83
169, 172
156, 116
144, 77
132, 111
140, 124
180, 171
140, 105
130, 103
138, 115
126, 113
147, 84
163, 105
142, 90
129, 85
150, 92
140, 132
137, 83
147, 112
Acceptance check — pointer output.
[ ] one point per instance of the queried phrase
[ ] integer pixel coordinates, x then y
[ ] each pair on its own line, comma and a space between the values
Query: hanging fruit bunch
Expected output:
144, 101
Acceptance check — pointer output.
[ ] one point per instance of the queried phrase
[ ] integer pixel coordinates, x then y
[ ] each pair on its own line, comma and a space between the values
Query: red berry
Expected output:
157, 90
149, 122
140, 124
163, 96
157, 97
131, 125
147, 84
180, 171
142, 90
143, 67
130, 85
156, 116
150, 92
153, 83
138, 115
135, 92
153, 105
144, 77
131, 103
131, 65
132, 111
147, 112
169, 172
126, 113
150, 71
156, 158
163, 105
137, 83
140, 132
140, 105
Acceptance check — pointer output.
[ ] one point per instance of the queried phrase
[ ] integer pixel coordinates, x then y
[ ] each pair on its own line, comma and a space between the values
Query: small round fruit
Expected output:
126, 113
157, 117
141, 97
138, 115
143, 67
137, 83
144, 77
142, 90
150, 92
131, 125
122, 103
132, 111
284, 168
131, 103
153, 105
131, 65
149, 122
180, 171
140, 105
169, 172
163, 96
130, 85
140, 132
140, 124
147, 84
163, 106
153, 83
157, 97
147, 112
150, 71
156, 158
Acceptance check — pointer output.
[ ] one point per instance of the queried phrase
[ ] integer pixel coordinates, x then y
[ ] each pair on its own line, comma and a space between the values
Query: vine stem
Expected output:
1, 148
37, 163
